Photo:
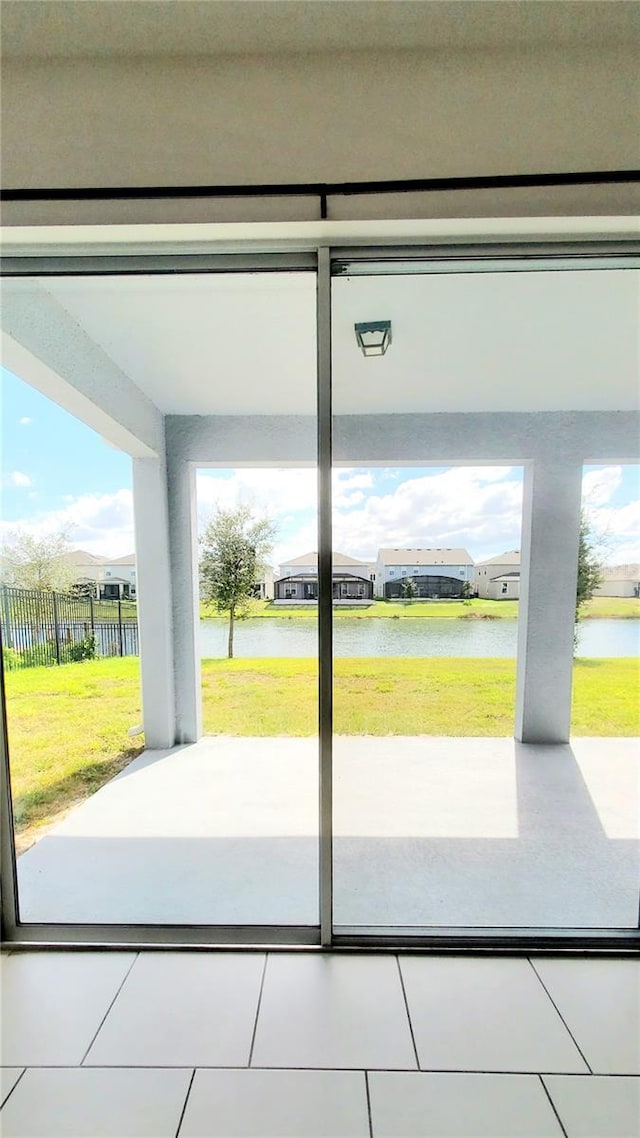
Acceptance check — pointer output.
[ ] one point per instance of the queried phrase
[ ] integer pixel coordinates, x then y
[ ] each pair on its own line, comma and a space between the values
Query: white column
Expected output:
549, 569
183, 542
153, 588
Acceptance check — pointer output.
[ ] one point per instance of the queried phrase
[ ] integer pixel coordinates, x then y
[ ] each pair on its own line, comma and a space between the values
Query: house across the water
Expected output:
298, 581
104, 578
433, 573
498, 578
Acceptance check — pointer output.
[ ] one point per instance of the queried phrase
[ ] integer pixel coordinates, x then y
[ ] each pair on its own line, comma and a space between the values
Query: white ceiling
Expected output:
518, 341
245, 343
230, 344
68, 28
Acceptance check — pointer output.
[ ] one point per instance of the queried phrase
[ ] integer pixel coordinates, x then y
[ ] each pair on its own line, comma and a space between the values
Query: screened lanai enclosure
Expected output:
343, 830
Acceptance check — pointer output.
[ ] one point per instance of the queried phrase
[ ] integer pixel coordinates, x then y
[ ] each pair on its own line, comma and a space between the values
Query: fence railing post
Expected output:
120, 626
7, 630
91, 616
55, 626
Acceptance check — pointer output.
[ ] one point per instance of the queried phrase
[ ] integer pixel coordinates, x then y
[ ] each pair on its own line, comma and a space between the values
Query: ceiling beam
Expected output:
43, 345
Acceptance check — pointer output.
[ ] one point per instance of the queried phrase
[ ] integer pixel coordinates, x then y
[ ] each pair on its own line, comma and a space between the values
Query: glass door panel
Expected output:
441, 820
224, 830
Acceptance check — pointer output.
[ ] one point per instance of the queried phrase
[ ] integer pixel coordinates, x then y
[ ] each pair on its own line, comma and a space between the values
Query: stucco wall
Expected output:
483, 575
618, 589
496, 592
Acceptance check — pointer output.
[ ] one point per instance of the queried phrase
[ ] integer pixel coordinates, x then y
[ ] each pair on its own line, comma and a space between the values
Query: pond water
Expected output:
297, 637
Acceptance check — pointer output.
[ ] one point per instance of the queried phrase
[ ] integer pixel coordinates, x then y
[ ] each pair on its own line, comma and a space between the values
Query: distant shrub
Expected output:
84, 649
10, 659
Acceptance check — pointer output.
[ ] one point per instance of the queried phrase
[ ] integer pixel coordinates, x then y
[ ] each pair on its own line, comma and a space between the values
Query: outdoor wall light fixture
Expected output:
373, 337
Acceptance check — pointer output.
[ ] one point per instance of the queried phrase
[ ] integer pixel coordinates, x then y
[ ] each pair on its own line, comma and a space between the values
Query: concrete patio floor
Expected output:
428, 832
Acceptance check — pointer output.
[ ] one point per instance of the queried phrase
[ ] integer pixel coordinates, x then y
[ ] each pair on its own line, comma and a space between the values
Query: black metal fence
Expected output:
56, 628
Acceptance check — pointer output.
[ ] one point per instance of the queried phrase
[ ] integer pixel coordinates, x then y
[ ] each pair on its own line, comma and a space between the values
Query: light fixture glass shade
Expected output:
373, 337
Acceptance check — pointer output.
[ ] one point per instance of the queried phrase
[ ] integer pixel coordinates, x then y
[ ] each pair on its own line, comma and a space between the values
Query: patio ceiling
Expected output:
244, 343
39, 29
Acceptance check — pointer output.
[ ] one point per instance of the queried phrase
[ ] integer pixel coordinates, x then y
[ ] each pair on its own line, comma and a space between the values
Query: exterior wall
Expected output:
434, 585
298, 571
618, 588
114, 590
484, 574
304, 588
351, 587
125, 572
363, 570
504, 590
294, 589
388, 573
264, 587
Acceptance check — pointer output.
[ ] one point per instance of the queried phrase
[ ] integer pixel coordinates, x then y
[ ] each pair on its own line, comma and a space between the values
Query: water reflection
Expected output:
298, 637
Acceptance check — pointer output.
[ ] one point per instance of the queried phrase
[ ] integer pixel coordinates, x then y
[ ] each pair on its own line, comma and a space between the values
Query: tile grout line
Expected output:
406, 1004
4, 1101
186, 1100
366, 1087
102, 1021
559, 1013
255, 1024
141, 1066
553, 1106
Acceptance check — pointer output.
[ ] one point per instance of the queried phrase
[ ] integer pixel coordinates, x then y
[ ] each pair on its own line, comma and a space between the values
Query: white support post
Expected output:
183, 539
549, 569
154, 600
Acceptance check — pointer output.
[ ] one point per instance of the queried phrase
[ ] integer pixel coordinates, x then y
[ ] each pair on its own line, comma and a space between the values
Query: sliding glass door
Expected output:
308, 677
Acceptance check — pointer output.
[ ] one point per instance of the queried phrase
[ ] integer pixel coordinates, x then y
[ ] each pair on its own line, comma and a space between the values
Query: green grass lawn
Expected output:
68, 734
68, 725
603, 607
405, 696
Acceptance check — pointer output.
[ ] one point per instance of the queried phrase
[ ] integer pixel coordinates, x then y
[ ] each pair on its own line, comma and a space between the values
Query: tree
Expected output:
589, 568
409, 590
235, 546
41, 563
589, 565
467, 593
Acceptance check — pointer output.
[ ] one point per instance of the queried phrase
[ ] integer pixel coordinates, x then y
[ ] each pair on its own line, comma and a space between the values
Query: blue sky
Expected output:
56, 472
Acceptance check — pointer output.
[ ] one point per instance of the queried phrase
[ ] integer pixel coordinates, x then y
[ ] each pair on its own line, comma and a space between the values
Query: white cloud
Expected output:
99, 523
268, 491
616, 532
599, 486
19, 479
477, 507
471, 506
25, 421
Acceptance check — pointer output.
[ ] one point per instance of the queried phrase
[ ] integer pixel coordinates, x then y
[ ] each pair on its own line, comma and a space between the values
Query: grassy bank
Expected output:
611, 608
405, 696
68, 734
68, 725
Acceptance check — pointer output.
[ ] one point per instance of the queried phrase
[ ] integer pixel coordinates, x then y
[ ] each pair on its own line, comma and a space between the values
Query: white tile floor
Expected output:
223, 1045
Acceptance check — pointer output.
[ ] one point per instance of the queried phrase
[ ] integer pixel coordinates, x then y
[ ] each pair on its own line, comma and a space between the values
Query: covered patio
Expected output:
525, 360
428, 833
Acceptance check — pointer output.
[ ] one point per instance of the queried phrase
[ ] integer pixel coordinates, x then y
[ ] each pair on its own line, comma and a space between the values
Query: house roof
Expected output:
81, 557
312, 559
441, 556
628, 572
511, 557
130, 559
